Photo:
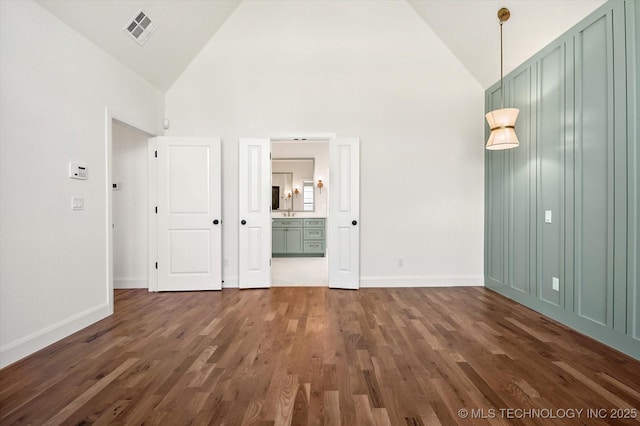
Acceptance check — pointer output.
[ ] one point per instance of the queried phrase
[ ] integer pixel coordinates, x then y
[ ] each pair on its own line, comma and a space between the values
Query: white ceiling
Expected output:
471, 29
183, 28
468, 27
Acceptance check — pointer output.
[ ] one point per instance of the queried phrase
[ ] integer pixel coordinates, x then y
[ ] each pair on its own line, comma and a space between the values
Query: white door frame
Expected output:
111, 115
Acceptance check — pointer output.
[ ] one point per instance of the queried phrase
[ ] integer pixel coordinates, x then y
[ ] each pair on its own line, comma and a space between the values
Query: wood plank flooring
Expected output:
312, 356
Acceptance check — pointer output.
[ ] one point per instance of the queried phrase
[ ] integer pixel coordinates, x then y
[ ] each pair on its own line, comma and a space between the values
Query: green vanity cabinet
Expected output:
298, 237
286, 237
314, 237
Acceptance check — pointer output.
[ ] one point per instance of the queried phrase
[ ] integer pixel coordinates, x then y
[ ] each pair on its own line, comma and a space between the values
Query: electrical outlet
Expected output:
555, 284
226, 263
547, 216
400, 262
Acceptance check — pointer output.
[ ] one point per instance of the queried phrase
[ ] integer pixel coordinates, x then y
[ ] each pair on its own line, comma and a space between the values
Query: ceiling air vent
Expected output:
140, 27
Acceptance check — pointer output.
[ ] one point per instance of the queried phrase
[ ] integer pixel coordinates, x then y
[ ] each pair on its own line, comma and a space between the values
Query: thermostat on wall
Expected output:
78, 171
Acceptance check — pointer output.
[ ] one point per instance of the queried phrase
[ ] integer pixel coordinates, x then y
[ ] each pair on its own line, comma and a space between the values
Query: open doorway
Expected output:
342, 223
299, 169
129, 194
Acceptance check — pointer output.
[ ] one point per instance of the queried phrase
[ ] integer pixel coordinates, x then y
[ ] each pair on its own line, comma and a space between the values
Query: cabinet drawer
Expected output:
309, 223
314, 247
286, 223
314, 233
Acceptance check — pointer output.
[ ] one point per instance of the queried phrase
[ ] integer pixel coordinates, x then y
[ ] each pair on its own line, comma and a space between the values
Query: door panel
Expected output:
344, 206
188, 191
294, 240
194, 260
255, 213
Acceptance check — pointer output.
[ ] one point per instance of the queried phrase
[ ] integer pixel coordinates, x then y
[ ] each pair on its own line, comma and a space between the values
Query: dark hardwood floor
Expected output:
317, 356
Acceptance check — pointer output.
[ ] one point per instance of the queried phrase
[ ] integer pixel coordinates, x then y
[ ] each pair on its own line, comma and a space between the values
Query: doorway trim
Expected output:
318, 137
110, 115
303, 137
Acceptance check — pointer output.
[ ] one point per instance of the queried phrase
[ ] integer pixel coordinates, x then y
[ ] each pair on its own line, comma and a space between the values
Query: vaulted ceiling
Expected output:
469, 28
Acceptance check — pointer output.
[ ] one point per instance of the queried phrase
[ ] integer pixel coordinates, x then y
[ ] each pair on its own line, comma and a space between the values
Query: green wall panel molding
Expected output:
632, 16
594, 171
522, 242
551, 164
495, 199
578, 159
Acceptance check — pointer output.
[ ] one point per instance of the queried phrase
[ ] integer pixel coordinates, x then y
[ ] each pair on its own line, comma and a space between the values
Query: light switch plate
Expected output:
77, 203
555, 283
547, 216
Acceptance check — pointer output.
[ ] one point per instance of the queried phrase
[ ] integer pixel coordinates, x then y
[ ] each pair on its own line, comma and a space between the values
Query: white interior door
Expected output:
344, 214
189, 233
254, 191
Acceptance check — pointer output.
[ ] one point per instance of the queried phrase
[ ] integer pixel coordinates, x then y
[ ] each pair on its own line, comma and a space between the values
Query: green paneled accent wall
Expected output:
578, 161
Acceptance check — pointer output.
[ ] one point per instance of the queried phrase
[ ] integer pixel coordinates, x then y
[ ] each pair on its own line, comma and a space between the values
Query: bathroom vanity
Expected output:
298, 237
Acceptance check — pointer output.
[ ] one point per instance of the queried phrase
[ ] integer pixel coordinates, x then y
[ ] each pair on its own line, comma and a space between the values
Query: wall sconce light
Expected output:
502, 121
320, 185
289, 195
296, 192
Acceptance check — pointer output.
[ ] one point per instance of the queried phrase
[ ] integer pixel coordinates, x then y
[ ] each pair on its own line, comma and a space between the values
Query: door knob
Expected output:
243, 222
354, 222
216, 221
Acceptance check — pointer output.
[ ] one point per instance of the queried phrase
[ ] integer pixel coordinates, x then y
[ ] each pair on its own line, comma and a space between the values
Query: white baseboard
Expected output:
130, 283
27, 345
391, 282
422, 281
230, 282
299, 284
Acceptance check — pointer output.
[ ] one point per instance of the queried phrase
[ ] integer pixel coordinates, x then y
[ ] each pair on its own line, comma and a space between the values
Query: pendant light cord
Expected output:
501, 71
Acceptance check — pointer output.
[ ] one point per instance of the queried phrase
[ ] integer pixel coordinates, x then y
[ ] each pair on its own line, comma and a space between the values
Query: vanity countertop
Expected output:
293, 215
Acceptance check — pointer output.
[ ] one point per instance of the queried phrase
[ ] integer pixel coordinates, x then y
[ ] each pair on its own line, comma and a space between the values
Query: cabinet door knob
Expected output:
243, 222
354, 222
216, 221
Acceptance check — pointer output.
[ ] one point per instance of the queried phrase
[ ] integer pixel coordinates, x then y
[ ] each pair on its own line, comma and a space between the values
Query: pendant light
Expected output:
502, 121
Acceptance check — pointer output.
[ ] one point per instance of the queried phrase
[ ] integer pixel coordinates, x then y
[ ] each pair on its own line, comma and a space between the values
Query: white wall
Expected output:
319, 151
130, 208
371, 69
55, 86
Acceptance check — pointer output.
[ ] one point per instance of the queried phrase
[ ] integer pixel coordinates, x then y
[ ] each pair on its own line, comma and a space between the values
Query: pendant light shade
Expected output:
502, 124
502, 121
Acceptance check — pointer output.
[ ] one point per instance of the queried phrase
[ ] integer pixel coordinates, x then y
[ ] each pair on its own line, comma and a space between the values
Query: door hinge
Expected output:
269, 262
156, 209
156, 265
156, 154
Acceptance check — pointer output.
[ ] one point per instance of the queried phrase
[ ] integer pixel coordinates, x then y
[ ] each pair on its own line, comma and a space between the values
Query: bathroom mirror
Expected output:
292, 184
